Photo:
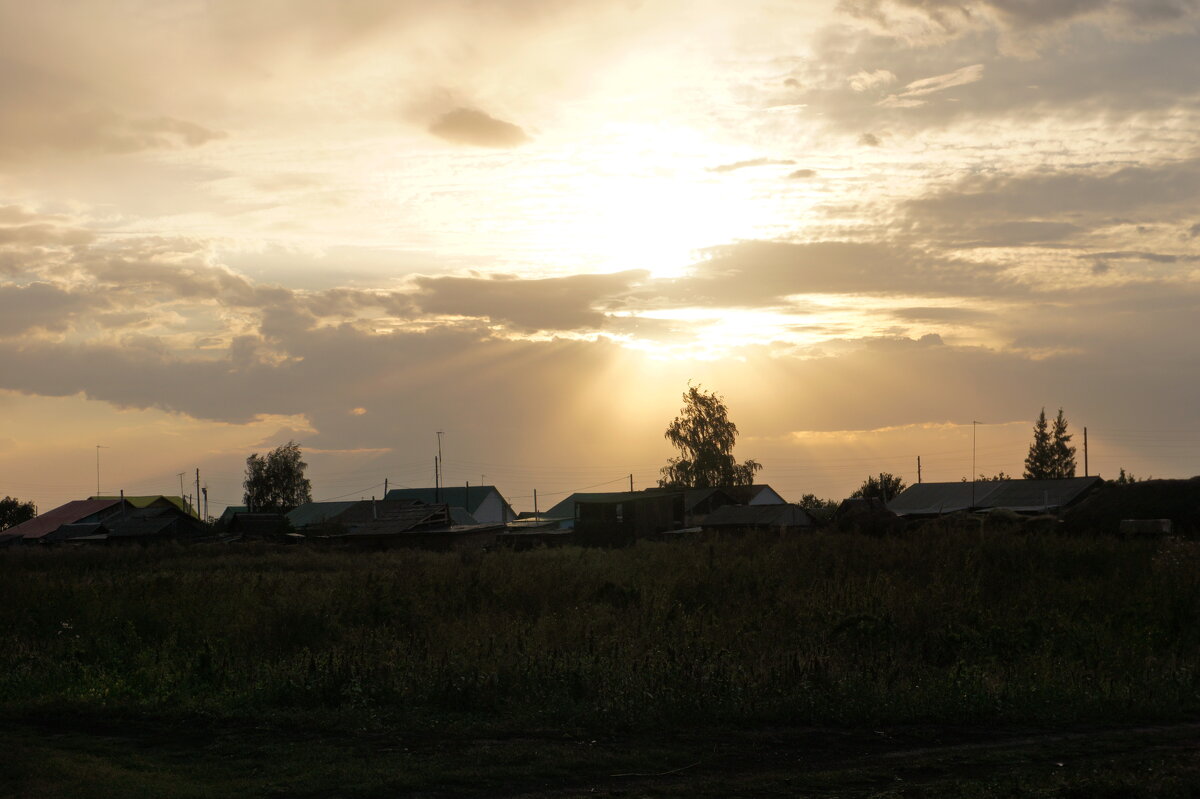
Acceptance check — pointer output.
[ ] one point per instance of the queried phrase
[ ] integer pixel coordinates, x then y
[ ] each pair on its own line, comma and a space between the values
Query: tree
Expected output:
884, 487
276, 481
704, 436
1050, 455
1062, 452
13, 512
820, 509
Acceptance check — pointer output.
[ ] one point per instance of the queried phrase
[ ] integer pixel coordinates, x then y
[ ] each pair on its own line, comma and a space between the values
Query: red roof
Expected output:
72, 512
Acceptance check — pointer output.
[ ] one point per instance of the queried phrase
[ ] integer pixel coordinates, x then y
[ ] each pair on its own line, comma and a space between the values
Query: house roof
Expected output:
231, 511
745, 494
454, 496
311, 513
151, 499
931, 499
566, 508
154, 521
759, 516
403, 520
75, 511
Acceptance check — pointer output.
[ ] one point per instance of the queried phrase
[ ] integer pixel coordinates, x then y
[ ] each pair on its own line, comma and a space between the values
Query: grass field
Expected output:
731, 636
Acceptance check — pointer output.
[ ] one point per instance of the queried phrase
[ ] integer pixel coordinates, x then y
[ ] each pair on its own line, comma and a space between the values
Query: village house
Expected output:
485, 504
1017, 496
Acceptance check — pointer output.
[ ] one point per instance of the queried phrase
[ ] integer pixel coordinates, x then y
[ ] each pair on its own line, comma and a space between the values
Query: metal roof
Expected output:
151, 499
932, 499
311, 513
454, 496
566, 508
75, 511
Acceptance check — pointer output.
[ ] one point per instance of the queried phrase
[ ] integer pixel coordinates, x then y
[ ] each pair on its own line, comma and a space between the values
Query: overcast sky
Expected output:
529, 223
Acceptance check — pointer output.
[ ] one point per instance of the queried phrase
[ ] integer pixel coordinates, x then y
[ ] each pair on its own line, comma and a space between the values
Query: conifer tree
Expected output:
1062, 453
1051, 455
1039, 461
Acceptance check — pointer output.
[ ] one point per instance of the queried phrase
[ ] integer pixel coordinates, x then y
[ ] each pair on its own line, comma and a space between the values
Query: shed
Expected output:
621, 518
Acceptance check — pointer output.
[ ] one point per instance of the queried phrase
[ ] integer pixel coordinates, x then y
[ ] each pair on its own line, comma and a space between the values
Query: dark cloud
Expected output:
1019, 233
561, 303
801, 174
469, 126
939, 314
759, 273
869, 140
42, 306
1055, 194
1092, 73
751, 163
1138, 255
953, 15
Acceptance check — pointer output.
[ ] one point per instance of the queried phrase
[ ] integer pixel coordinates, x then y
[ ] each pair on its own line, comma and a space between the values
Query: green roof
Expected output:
150, 499
317, 512
455, 496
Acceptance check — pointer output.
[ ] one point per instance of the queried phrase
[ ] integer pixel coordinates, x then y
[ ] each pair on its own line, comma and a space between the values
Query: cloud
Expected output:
751, 163
1078, 194
912, 93
562, 303
42, 306
95, 130
864, 81
765, 273
869, 140
953, 16
1140, 255
801, 174
475, 128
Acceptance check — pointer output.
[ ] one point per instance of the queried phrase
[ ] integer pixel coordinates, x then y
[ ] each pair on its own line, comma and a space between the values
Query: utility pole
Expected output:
205, 490
918, 469
973, 425
437, 488
631, 482
385, 488
441, 462
535, 507
1085, 454
197, 492
98, 448
181, 494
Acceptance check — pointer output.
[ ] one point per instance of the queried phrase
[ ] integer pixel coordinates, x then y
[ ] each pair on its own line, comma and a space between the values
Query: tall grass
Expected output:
816, 629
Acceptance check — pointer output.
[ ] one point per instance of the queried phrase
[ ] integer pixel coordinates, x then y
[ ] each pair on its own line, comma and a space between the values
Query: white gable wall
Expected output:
492, 510
767, 496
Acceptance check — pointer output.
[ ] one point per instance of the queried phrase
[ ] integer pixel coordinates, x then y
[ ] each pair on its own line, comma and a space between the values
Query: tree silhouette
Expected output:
1050, 455
885, 487
13, 512
276, 481
704, 436
1063, 454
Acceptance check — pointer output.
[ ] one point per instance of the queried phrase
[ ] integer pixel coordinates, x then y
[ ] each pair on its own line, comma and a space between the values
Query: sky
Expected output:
880, 229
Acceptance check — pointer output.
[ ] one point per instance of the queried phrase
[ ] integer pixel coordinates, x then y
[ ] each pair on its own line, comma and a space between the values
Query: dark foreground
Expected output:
953, 663
93, 757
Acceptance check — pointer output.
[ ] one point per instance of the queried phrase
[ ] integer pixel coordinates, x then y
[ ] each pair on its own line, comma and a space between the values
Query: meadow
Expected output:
737, 633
